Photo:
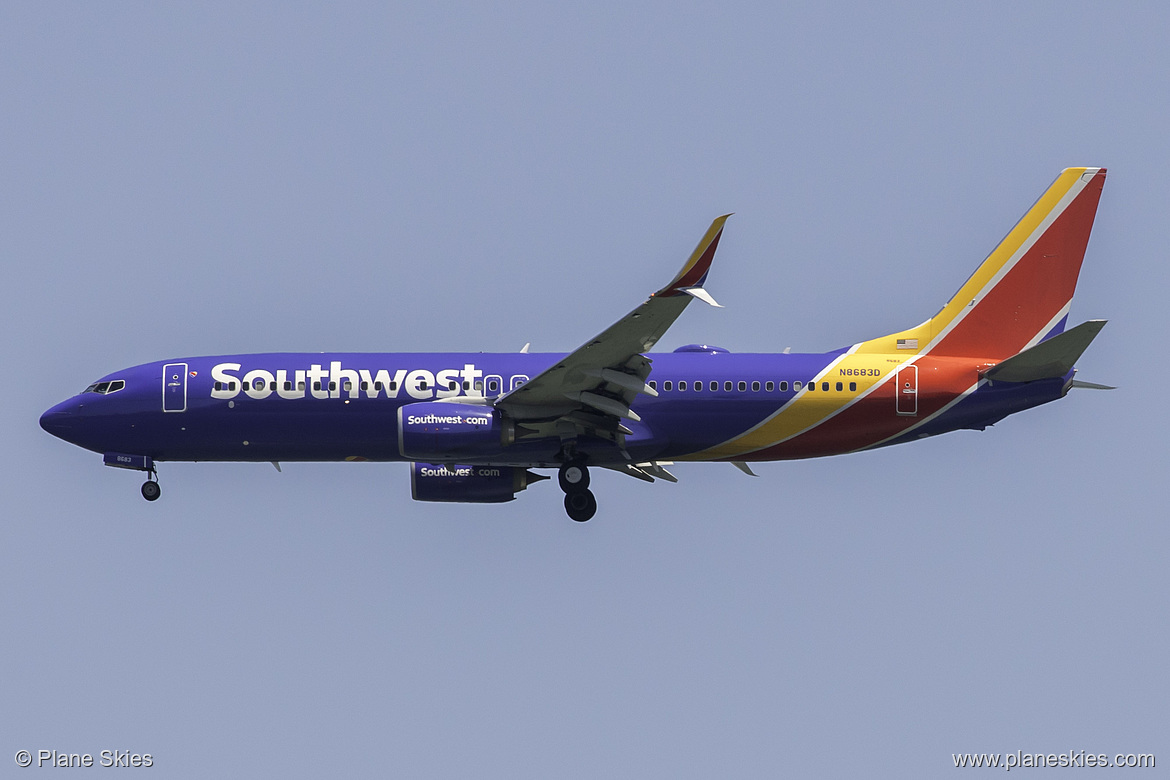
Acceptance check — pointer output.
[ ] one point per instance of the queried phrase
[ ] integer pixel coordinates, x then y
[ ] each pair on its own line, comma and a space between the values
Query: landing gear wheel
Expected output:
150, 490
573, 477
580, 505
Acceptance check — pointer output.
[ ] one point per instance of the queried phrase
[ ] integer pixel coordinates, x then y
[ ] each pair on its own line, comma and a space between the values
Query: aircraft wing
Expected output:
592, 388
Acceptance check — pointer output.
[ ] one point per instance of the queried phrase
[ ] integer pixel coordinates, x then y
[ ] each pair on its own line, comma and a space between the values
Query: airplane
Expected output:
474, 426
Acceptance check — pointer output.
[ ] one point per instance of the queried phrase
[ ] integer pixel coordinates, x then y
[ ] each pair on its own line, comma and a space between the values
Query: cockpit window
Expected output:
105, 388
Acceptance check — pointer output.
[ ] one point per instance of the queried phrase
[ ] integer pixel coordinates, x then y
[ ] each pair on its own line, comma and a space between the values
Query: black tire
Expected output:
573, 477
150, 490
580, 505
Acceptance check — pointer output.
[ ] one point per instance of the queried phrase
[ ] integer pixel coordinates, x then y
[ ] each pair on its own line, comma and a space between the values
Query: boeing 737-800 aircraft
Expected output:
473, 425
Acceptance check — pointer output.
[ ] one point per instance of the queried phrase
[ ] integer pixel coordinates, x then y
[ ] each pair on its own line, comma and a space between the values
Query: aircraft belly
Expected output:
695, 426
987, 406
223, 434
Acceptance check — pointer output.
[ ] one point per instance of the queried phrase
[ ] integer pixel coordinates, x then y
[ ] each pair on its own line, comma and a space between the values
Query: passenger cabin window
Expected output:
784, 387
852, 387
698, 386
727, 386
714, 386
825, 386
796, 385
755, 387
770, 386
811, 386
742, 386
377, 387
682, 385
667, 385
653, 384
840, 387
493, 386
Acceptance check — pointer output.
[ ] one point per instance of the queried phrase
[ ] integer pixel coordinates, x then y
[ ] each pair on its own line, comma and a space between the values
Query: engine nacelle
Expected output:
447, 432
468, 484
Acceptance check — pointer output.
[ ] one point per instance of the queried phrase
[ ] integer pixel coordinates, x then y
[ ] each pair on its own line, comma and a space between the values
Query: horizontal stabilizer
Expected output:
1048, 359
1091, 385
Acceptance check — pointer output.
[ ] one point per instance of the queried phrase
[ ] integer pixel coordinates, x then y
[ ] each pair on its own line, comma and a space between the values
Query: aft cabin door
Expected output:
906, 381
175, 387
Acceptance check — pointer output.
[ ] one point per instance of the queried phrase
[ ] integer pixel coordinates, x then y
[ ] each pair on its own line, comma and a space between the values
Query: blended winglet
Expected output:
690, 279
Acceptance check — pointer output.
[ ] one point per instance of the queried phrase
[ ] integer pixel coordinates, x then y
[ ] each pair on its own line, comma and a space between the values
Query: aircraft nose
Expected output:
60, 420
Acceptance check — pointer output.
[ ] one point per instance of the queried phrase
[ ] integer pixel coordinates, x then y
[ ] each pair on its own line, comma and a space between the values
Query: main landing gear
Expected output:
150, 489
579, 501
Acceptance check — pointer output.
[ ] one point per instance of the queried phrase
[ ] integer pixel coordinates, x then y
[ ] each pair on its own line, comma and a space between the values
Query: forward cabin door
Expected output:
906, 382
174, 387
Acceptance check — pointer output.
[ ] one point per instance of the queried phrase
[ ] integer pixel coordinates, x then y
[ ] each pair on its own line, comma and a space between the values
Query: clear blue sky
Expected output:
245, 178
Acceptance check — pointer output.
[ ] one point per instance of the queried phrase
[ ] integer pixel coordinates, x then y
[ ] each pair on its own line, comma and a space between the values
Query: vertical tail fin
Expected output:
1021, 293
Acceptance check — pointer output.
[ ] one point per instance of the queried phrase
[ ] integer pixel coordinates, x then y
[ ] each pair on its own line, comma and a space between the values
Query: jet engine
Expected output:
446, 432
468, 484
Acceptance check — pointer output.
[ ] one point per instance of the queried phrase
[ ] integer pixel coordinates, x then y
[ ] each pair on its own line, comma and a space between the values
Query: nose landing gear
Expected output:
150, 489
580, 504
